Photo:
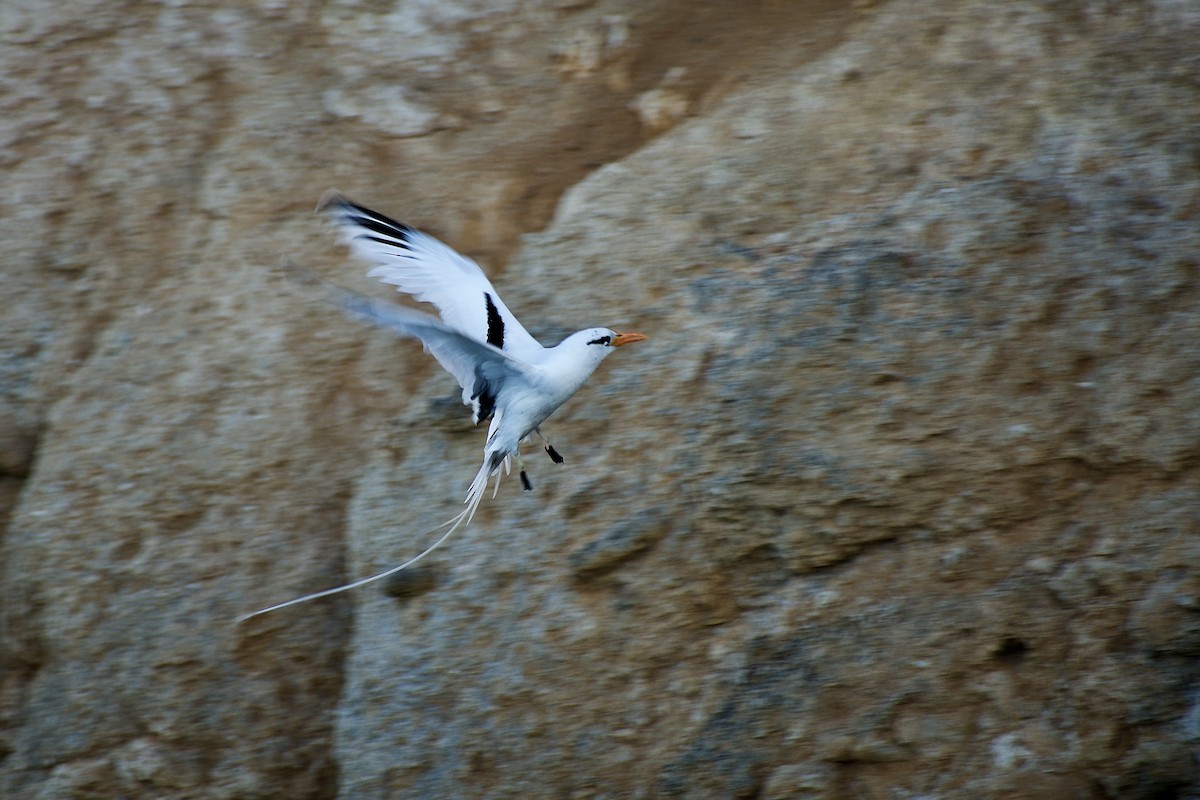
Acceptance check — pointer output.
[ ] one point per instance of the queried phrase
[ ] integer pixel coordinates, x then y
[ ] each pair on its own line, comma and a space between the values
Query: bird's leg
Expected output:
550, 451
524, 478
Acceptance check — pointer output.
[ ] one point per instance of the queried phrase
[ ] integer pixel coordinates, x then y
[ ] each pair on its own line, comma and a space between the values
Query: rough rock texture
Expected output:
902, 499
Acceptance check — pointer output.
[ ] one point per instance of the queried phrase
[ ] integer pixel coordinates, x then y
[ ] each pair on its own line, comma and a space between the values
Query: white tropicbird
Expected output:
505, 374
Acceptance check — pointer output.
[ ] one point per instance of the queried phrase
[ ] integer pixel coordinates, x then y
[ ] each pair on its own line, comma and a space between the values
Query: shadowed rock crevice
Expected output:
529, 116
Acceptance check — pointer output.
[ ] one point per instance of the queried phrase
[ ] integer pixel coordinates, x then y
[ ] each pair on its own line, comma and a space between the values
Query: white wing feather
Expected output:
420, 265
468, 360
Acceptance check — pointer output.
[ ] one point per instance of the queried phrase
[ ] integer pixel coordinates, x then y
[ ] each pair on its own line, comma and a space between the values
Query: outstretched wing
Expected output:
419, 265
480, 369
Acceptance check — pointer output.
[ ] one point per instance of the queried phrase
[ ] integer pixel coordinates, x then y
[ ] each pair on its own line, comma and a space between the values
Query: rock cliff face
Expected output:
902, 499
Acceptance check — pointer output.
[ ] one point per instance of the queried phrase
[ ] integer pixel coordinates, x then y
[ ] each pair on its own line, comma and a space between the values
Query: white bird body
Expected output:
552, 377
505, 374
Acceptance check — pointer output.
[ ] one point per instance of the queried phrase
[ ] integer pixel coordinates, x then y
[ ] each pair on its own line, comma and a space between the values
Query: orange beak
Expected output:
627, 338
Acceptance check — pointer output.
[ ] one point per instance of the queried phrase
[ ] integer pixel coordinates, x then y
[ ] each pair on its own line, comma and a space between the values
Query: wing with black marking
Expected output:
480, 369
420, 265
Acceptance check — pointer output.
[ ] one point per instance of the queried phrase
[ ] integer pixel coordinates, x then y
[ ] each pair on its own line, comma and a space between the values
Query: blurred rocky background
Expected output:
901, 500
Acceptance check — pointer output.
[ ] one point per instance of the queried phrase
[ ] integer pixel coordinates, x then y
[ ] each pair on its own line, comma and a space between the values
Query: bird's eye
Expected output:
604, 340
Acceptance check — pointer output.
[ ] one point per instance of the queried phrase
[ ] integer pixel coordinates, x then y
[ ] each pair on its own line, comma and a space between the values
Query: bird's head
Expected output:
605, 340
596, 343
603, 337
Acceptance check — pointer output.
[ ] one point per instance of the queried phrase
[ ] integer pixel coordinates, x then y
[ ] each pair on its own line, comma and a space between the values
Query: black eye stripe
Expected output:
605, 340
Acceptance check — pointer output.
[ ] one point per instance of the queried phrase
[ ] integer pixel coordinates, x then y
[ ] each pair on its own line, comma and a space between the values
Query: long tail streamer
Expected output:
462, 519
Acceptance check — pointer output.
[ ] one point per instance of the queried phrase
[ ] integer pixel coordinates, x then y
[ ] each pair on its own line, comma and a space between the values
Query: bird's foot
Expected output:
555, 456
521, 471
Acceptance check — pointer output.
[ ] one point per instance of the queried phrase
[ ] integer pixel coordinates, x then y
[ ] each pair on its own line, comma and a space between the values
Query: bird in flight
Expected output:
506, 375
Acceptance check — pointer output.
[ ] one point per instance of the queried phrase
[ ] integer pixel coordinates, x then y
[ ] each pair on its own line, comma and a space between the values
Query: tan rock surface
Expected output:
900, 500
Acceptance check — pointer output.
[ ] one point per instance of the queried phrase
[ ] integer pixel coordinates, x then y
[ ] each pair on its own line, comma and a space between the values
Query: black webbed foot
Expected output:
525, 482
555, 456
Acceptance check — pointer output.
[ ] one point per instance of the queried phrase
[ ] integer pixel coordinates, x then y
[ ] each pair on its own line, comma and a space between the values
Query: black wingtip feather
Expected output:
350, 211
382, 225
388, 240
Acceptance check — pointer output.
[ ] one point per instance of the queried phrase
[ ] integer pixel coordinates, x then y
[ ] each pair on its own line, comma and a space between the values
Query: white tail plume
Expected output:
462, 519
